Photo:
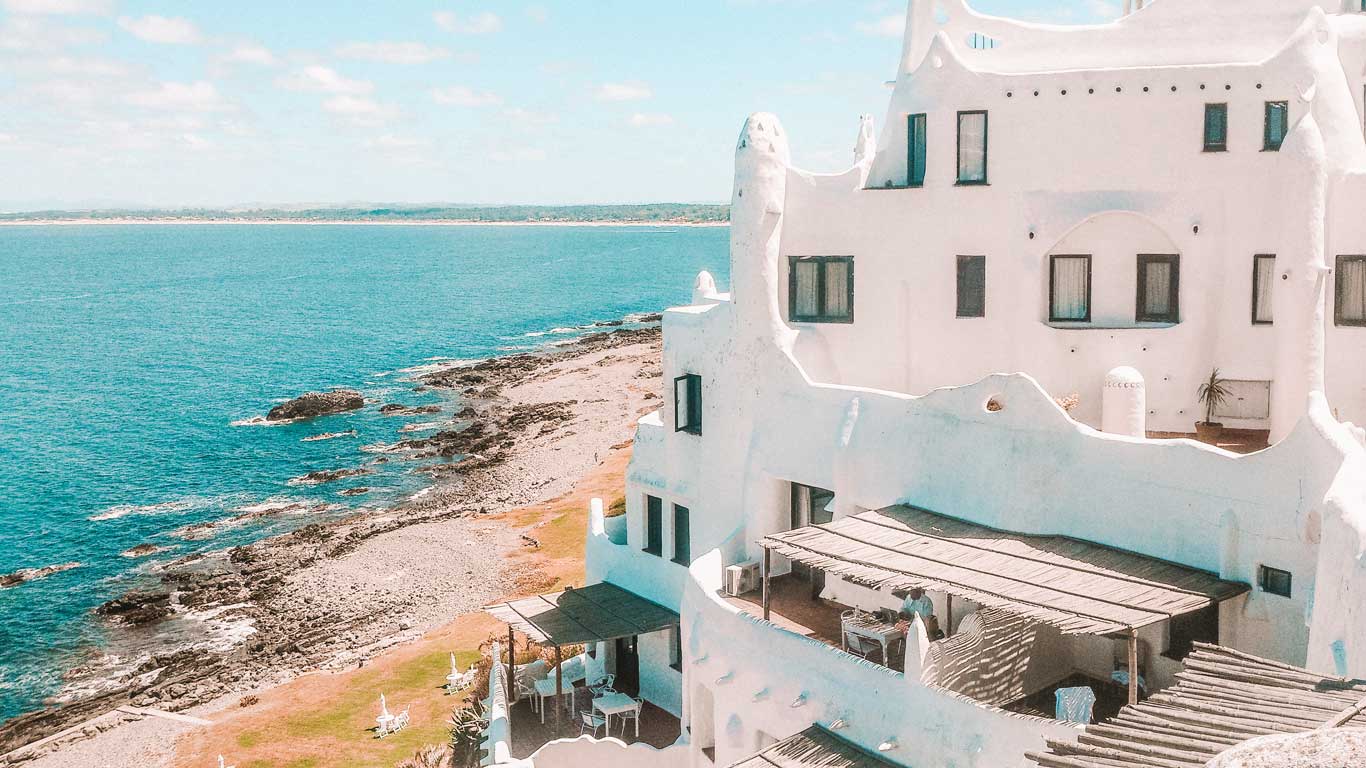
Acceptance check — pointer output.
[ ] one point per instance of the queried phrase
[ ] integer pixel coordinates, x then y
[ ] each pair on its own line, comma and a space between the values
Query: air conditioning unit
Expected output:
742, 578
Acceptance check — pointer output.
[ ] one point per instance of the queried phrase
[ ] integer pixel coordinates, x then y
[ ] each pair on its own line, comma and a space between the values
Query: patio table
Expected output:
545, 689
867, 625
616, 704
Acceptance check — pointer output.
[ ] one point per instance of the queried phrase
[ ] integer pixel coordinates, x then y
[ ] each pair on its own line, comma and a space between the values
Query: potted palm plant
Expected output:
1213, 393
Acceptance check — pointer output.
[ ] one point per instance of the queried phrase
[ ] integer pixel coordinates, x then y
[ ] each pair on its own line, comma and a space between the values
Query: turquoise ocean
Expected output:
134, 359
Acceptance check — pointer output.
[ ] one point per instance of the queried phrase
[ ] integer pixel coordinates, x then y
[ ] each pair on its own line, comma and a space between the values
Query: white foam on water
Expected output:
161, 508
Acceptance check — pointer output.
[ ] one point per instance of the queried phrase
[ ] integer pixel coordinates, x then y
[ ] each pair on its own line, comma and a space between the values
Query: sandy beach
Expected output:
541, 433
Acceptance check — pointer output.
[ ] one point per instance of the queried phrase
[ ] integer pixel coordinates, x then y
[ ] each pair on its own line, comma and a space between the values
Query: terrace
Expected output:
1015, 618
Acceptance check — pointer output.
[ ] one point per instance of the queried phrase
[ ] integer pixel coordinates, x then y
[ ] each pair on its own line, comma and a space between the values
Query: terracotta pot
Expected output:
1209, 432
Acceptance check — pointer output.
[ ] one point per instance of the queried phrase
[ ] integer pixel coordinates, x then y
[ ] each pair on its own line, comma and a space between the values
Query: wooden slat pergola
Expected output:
1222, 698
815, 747
1079, 587
595, 613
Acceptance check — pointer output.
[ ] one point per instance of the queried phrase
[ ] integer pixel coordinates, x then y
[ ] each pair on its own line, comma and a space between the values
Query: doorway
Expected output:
811, 506
628, 666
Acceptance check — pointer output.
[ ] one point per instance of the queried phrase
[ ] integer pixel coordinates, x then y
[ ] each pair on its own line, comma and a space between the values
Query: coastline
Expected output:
332, 595
134, 221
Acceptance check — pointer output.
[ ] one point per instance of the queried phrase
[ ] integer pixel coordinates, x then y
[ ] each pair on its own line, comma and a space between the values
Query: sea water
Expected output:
135, 362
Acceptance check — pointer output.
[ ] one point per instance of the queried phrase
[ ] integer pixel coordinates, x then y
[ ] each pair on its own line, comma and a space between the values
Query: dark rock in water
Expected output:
609, 323
395, 409
357, 491
467, 412
142, 550
30, 574
314, 404
329, 475
137, 608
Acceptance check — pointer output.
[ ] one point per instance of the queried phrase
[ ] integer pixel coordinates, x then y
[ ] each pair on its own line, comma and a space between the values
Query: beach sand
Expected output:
379, 601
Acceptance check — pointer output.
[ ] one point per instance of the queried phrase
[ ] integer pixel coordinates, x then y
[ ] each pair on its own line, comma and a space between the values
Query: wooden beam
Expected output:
1133, 666
767, 567
559, 687
948, 615
1345, 715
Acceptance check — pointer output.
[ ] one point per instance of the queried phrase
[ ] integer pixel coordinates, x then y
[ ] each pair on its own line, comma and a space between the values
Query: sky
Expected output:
190, 103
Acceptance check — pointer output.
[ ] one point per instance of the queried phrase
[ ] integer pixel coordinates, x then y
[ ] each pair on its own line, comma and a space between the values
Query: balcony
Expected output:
658, 728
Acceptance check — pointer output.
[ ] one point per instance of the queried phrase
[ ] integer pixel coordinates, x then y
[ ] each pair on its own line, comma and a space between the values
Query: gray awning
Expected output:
1077, 586
815, 747
1223, 698
601, 611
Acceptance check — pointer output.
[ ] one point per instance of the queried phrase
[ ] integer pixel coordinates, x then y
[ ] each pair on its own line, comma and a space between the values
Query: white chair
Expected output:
632, 715
591, 722
525, 677
400, 720
1074, 704
863, 647
603, 685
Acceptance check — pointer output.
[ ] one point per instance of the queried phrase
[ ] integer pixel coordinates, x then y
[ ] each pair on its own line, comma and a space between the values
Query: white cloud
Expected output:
359, 109
1105, 9
463, 96
7, 138
320, 79
887, 26
160, 29
397, 143
485, 23
30, 35
526, 117
200, 96
195, 142
538, 13
249, 53
393, 53
623, 92
59, 7
650, 120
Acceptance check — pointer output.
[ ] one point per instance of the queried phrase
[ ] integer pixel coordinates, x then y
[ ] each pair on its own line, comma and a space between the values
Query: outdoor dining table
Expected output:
545, 689
868, 625
617, 703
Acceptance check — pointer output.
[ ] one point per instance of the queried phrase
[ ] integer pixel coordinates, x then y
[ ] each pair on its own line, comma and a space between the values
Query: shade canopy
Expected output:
594, 613
1077, 586
1222, 698
815, 747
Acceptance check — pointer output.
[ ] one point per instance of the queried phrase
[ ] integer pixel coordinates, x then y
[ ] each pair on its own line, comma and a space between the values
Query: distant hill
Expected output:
681, 213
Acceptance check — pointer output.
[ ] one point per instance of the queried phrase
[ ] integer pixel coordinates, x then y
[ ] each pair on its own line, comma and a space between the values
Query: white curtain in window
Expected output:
681, 420
836, 289
1069, 288
972, 147
1266, 283
808, 300
1157, 287
1353, 296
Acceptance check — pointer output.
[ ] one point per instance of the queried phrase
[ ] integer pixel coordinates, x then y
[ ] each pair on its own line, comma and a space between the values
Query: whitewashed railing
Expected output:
498, 735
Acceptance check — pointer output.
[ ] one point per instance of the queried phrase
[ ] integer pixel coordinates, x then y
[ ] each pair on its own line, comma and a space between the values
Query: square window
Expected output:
1273, 580
972, 286
1159, 288
682, 538
654, 526
688, 404
972, 147
1277, 125
915, 150
1263, 284
1216, 127
1069, 289
1350, 306
820, 289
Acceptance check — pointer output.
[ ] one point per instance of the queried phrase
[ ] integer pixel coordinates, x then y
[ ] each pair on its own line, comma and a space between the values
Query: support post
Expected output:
512, 672
1133, 666
767, 566
948, 615
559, 688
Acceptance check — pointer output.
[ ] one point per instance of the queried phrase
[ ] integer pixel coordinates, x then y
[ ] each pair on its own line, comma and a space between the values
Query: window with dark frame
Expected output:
972, 286
972, 147
1349, 307
1277, 125
654, 526
1273, 580
1159, 288
1216, 127
688, 404
682, 537
1263, 284
1069, 289
820, 289
915, 150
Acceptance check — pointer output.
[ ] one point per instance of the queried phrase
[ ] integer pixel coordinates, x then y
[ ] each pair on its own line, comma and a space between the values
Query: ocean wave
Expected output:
423, 426
162, 508
327, 436
46, 299
259, 421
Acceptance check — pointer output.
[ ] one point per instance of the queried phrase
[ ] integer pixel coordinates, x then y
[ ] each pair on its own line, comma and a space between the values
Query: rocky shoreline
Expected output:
319, 597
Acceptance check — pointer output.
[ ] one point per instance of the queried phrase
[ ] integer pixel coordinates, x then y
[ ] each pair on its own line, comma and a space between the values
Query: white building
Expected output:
1112, 212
